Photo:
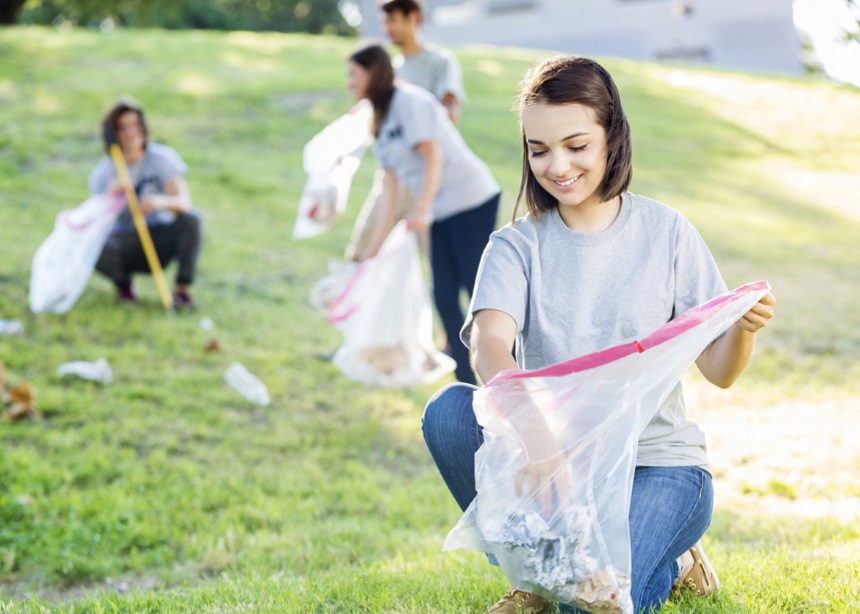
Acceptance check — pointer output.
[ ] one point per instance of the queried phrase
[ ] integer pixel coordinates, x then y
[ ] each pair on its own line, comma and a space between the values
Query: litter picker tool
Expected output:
139, 220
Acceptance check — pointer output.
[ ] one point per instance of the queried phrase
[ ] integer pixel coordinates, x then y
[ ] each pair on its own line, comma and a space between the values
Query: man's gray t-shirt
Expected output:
571, 294
415, 116
434, 69
149, 176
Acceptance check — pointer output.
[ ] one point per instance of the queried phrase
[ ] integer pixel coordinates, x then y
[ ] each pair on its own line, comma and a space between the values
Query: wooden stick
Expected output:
141, 227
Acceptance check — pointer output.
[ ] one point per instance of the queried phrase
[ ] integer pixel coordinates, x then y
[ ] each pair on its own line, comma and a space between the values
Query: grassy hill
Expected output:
327, 500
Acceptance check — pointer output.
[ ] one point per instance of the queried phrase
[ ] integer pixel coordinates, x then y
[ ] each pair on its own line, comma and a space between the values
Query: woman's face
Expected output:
359, 80
566, 151
129, 132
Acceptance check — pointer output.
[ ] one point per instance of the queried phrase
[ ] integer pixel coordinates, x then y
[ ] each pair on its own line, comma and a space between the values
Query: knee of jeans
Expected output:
191, 220
443, 406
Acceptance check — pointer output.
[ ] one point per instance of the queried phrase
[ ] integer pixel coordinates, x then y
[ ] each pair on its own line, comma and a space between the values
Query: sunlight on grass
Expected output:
8, 90
243, 61
491, 68
45, 103
831, 190
197, 85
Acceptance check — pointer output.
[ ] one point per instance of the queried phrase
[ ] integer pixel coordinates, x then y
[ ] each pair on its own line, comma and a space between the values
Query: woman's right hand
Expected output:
547, 481
114, 186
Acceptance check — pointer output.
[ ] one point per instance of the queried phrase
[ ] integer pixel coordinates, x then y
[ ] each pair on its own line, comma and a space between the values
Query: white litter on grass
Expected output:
98, 371
206, 324
11, 327
246, 384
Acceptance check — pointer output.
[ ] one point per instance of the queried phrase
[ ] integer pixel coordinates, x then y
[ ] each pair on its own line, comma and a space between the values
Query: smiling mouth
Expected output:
568, 183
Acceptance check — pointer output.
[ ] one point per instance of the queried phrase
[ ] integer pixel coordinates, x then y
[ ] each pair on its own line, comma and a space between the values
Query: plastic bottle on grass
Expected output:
244, 382
98, 371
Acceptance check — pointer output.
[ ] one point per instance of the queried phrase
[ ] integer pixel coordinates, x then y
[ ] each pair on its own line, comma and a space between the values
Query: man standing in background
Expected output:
423, 64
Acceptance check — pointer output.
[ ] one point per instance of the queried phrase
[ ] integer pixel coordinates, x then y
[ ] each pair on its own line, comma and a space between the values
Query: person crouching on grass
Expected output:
158, 175
588, 267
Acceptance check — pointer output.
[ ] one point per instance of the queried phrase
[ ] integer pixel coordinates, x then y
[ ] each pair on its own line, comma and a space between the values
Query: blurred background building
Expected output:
758, 35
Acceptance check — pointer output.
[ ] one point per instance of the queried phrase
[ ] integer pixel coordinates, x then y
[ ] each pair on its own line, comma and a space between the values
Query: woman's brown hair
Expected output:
380, 90
568, 80
111, 120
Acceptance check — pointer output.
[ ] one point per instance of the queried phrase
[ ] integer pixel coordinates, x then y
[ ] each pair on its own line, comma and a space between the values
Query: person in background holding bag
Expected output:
455, 193
589, 266
157, 172
429, 67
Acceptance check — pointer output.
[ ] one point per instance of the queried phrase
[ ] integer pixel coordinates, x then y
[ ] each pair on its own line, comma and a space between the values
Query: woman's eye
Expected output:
580, 148
536, 154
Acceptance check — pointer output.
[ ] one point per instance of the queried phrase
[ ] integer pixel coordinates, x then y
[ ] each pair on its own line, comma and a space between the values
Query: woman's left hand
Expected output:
757, 318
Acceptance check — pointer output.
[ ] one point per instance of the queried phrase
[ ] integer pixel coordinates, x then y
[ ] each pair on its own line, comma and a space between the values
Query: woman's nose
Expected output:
559, 165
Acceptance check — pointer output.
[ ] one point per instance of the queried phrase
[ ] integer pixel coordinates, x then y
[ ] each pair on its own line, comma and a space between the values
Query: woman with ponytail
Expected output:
589, 266
455, 194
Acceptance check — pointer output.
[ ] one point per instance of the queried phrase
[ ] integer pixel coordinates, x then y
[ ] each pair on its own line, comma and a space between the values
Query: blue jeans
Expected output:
670, 507
456, 246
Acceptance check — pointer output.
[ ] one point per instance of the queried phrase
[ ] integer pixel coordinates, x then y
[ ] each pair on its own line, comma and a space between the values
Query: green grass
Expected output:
169, 484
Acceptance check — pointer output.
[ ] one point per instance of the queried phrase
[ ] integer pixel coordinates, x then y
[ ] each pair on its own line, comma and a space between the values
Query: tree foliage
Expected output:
854, 8
313, 16
9, 10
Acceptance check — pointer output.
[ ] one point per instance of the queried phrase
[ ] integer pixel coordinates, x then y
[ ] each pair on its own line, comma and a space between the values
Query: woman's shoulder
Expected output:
164, 154
408, 94
654, 212
527, 226
160, 150
652, 205
523, 232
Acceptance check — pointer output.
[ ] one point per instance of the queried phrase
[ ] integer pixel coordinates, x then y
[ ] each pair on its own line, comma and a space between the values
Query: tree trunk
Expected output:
9, 10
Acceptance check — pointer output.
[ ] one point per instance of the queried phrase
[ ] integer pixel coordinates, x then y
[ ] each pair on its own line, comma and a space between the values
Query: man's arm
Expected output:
452, 103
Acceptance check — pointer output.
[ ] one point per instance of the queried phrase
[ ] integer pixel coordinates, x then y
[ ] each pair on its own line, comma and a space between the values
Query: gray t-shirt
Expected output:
434, 69
415, 116
571, 294
149, 176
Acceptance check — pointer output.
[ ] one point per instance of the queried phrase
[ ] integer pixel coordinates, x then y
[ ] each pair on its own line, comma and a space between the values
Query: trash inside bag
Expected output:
385, 316
330, 160
568, 538
98, 371
64, 262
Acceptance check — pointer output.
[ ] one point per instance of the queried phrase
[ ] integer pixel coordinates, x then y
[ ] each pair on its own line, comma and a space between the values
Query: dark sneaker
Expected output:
125, 295
520, 602
700, 579
182, 300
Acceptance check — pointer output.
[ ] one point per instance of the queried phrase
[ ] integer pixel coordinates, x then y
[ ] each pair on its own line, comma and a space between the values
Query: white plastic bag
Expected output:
596, 406
326, 290
330, 159
387, 323
64, 262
